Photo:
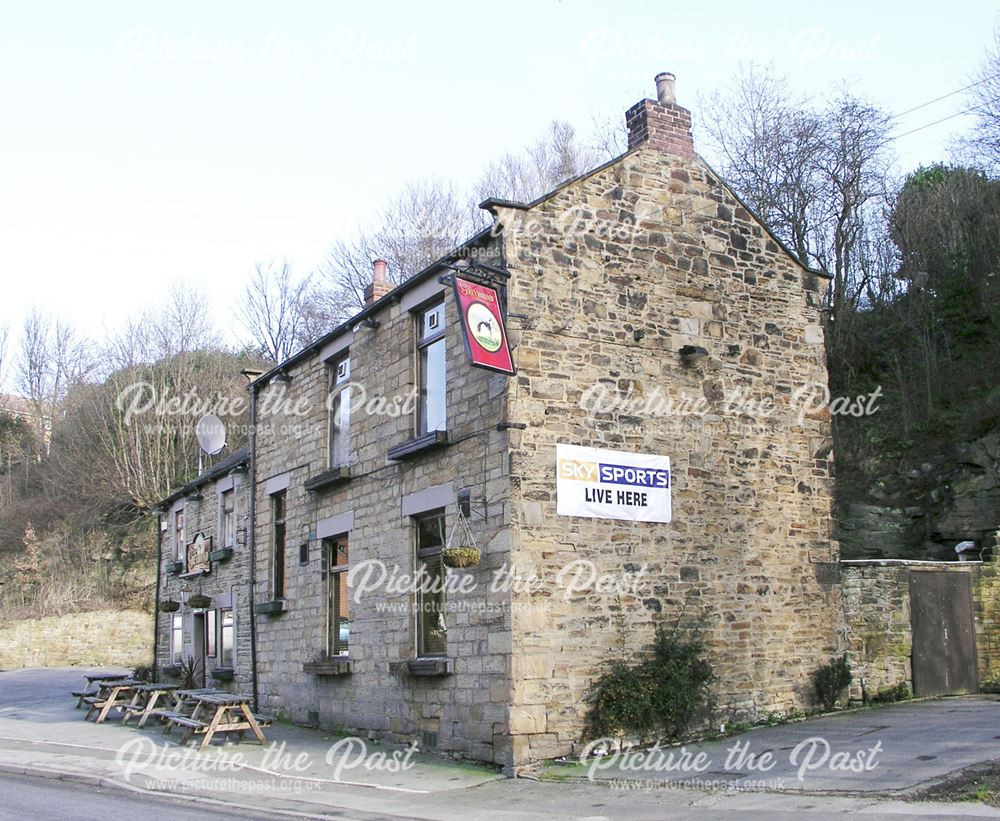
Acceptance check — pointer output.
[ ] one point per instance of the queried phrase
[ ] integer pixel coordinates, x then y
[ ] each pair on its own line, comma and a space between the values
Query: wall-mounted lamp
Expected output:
370, 323
693, 354
281, 378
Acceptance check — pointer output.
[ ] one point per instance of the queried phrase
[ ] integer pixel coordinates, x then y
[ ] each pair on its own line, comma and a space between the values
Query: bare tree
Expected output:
4, 339
430, 217
550, 161
425, 221
982, 145
53, 358
815, 174
273, 311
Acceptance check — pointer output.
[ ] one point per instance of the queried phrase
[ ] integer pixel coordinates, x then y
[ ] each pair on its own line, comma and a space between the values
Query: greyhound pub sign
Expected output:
483, 327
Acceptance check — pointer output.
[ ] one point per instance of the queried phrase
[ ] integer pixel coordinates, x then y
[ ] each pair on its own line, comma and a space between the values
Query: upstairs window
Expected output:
179, 541
340, 412
228, 529
432, 412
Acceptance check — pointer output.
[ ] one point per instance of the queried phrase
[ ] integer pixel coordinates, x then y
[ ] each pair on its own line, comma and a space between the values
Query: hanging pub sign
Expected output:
483, 327
197, 555
612, 484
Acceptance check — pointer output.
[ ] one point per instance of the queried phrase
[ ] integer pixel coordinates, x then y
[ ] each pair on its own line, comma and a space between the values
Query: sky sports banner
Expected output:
612, 484
482, 325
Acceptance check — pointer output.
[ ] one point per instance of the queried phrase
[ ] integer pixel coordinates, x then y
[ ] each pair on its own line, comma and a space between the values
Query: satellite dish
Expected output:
211, 434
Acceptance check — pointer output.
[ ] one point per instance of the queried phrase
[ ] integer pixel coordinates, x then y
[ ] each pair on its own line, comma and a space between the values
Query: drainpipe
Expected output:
156, 597
251, 537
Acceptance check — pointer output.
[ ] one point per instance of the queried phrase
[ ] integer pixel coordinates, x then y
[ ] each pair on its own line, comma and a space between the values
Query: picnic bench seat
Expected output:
80, 695
182, 720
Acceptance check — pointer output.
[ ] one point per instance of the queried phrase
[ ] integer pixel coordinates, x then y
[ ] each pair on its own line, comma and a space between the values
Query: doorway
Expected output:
944, 644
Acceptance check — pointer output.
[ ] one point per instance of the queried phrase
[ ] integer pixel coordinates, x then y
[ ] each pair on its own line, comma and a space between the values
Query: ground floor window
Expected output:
176, 638
226, 637
210, 634
338, 615
432, 639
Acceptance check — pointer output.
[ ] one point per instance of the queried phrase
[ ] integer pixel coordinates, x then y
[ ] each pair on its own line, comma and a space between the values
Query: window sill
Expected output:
430, 667
221, 555
222, 673
275, 607
328, 667
175, 567
414, 447
194, 574
328, 479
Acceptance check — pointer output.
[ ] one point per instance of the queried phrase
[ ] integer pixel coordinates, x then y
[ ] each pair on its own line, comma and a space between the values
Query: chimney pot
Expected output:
666, 92
379, 267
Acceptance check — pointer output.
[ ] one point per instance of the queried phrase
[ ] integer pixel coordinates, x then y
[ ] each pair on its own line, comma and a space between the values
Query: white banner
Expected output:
612, 484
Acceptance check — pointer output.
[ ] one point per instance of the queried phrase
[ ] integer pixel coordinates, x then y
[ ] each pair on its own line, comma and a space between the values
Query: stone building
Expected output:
203, 593
648, 312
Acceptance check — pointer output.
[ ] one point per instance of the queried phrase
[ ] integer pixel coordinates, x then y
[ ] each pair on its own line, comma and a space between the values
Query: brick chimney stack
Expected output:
380, 285
661, 123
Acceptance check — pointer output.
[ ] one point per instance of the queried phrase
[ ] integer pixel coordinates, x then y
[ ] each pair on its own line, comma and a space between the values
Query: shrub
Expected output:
887, 695
663, 695
830, 681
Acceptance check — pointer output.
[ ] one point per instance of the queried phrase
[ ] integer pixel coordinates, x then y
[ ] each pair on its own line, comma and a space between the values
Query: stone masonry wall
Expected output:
227, 583
880, 640
95, 638
877, 613
466, 710
615, 273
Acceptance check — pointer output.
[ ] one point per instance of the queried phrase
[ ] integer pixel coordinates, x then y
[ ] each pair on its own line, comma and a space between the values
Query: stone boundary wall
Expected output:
877, 615
100, 638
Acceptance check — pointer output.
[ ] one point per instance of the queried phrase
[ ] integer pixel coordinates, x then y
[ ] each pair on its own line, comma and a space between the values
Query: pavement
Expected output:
310, 773
891, 749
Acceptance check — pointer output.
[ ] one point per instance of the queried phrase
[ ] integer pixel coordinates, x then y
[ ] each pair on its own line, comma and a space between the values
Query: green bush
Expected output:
663, 695
830, 681
887, 695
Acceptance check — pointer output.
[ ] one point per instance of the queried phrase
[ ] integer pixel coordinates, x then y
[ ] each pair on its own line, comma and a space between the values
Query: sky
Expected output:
143, 144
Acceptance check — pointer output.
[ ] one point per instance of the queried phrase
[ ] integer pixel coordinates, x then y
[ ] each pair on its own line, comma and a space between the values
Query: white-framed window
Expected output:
176, 638
340, 412
226, 637
228, 513
338, 616
432, 412
211, 634
179, 542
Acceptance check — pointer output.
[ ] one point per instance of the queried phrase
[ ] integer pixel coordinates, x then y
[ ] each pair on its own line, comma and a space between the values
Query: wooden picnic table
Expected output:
87, 692
144, 700
216, 712
107, 698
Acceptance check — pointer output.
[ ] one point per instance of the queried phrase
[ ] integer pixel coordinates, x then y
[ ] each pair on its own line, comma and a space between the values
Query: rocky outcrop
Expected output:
928, 507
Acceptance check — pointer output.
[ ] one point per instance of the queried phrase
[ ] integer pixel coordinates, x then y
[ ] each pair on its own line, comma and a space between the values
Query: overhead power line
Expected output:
939, 99
928, 125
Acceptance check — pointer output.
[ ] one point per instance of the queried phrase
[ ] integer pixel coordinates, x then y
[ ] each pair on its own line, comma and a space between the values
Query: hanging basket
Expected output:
199, 601
460, 557
170, 606
464, 554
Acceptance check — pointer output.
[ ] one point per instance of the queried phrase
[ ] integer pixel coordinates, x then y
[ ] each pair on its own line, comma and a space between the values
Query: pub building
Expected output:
445, 531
